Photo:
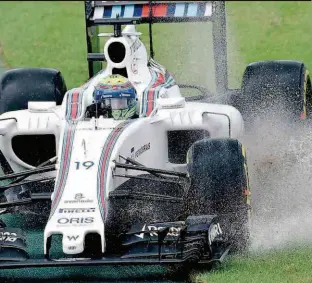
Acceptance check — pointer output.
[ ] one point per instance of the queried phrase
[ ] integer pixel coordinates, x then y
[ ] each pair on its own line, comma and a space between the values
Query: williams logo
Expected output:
141, 150
72, 238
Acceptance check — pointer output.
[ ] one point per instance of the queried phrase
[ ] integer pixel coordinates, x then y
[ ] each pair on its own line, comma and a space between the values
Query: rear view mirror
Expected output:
6, 125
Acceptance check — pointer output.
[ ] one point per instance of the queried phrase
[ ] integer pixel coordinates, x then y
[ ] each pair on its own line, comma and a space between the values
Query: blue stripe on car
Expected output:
201, 9
137, 10
171, 10
107, 11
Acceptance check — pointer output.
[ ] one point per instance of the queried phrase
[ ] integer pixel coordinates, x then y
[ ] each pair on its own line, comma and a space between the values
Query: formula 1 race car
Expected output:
163, 182
125, 169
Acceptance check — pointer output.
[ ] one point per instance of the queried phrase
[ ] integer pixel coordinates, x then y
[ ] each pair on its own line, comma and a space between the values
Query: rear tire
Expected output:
18, 86
219, 185
279, 90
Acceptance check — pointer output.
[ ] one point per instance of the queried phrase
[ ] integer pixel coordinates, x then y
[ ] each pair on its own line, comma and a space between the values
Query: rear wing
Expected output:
117, 13
110, 12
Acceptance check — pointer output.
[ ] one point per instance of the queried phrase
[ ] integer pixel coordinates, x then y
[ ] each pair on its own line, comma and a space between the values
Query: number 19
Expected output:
87, 164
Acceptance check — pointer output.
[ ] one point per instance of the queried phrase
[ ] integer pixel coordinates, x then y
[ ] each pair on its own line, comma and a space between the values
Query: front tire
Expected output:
220, 185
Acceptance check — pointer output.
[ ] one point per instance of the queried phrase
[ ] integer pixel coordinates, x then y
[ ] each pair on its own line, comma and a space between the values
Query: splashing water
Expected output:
280, 168
279, 154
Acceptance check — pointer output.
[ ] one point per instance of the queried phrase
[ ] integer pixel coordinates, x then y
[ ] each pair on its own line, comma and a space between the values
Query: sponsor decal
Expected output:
76, 210
141, 235
8, 237
125, 95
164, 94
214, 231
172, 106
74, 238
108, 95
173, 231
74, 221
79, 198
140, 151
134, 66
135, 46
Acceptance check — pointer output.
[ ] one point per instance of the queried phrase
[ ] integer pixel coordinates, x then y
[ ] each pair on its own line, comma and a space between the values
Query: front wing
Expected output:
200, 239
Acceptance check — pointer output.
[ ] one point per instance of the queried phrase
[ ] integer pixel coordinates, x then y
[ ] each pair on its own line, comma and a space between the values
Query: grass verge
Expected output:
290, 265
52, 34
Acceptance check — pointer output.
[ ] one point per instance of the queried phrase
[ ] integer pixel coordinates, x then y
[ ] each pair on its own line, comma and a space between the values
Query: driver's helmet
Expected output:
118, 93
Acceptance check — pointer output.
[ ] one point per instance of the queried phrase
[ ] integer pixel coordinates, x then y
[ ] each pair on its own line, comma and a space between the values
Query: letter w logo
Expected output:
72, 238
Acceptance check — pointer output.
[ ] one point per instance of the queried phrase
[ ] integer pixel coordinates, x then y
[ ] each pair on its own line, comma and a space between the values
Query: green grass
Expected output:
45, 34
291, 265
272, 30
51, 34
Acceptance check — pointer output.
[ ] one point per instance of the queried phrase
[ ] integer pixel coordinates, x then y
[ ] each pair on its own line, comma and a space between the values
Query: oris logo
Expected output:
75, 221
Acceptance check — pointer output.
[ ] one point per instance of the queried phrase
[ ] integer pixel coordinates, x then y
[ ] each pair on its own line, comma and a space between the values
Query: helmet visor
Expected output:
118, 103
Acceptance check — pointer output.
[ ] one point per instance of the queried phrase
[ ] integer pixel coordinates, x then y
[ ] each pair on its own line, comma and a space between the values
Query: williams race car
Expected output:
125, 169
